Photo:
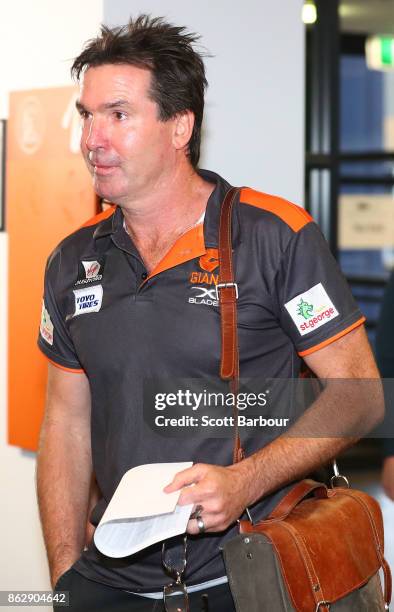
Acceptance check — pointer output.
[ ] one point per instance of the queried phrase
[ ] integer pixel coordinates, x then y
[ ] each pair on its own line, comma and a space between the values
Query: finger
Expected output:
193, 528
212, 524
197, 511
185, 478
192, 495
201, 493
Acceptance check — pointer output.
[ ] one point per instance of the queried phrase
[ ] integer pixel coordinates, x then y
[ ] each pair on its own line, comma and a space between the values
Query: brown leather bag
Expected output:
320, 549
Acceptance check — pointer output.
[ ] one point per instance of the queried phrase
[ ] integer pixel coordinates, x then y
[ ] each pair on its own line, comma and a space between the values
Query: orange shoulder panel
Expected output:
100, 217
295, 216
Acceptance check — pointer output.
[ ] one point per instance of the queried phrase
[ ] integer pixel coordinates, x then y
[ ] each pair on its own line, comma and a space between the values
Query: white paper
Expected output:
140, 513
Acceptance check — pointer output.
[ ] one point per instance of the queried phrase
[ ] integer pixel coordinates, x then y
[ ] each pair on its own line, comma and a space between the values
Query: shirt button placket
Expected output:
143, 277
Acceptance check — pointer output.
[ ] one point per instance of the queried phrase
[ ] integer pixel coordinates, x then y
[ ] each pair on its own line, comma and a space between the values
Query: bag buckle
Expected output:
327, 604
226, 286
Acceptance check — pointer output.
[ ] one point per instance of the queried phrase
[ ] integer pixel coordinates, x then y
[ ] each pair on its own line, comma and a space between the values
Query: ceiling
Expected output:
367, 16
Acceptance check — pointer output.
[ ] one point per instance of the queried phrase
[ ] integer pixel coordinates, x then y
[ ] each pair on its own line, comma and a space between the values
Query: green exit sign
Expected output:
379, 51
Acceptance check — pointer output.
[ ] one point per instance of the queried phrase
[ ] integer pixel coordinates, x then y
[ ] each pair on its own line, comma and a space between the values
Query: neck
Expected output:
170, 209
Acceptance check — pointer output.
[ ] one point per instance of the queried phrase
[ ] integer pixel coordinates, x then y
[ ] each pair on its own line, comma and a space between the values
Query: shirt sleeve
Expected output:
54, 339
314, 300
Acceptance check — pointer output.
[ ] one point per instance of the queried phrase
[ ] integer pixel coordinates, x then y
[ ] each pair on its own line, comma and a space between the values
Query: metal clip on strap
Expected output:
226, 286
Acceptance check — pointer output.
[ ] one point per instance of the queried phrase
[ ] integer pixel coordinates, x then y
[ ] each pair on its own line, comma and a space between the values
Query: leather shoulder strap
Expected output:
228, 293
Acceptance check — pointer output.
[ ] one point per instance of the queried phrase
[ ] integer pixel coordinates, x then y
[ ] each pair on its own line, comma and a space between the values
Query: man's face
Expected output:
127, 149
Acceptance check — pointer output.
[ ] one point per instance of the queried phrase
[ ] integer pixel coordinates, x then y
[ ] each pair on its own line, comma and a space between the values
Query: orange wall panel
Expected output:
48, 196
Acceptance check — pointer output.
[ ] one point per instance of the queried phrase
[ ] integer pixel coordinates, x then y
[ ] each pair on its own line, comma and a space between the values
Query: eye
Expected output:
120, 116
84, 114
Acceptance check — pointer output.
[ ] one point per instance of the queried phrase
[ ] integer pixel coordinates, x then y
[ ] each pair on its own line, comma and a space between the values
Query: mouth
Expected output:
102, 169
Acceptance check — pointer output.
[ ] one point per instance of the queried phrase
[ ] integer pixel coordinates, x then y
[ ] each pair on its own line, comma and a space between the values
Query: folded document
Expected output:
140, 513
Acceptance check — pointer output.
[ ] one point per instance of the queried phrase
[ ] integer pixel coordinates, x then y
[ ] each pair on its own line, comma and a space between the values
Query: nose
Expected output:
94, 134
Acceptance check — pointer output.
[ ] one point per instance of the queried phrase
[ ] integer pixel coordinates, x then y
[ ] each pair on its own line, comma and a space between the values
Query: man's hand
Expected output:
223, 493
388, 477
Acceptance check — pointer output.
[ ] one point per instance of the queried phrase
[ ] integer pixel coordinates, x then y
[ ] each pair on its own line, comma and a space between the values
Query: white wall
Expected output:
253, 131
254, 122
37, 40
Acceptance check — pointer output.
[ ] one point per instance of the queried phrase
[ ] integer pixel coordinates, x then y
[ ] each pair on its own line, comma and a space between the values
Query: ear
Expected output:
183, 128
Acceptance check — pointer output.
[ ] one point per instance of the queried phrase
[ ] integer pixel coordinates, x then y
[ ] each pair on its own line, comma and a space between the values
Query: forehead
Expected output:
101, 84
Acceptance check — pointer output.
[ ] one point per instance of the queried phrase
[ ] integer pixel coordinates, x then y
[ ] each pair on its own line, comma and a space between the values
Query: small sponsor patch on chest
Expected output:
90, 271
88, 299
311, 309
92, 268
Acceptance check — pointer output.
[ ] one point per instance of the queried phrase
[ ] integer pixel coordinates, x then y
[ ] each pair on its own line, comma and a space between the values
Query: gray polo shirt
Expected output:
104, 315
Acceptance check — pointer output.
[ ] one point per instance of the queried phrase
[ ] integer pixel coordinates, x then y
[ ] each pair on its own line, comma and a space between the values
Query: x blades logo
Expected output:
206, 297
211, 293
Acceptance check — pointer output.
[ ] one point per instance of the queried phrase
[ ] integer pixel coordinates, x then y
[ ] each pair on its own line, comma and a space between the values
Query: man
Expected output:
119, 293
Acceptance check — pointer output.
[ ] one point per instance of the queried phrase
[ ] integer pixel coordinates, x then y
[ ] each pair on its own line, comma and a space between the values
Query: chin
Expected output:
105, 191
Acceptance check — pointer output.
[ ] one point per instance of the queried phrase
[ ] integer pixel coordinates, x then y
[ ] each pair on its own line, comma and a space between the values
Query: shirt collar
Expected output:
114, 224
212, 215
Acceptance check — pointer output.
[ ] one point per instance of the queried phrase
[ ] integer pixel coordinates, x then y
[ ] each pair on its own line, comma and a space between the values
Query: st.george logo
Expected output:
311, 309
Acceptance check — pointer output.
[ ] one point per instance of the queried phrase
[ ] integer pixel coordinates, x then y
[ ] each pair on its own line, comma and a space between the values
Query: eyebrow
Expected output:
115, 104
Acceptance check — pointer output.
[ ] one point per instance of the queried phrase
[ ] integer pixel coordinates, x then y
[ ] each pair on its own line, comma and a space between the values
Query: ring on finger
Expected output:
200, 525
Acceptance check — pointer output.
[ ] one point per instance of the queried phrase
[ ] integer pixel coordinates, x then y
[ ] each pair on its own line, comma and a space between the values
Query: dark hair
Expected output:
177, 69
